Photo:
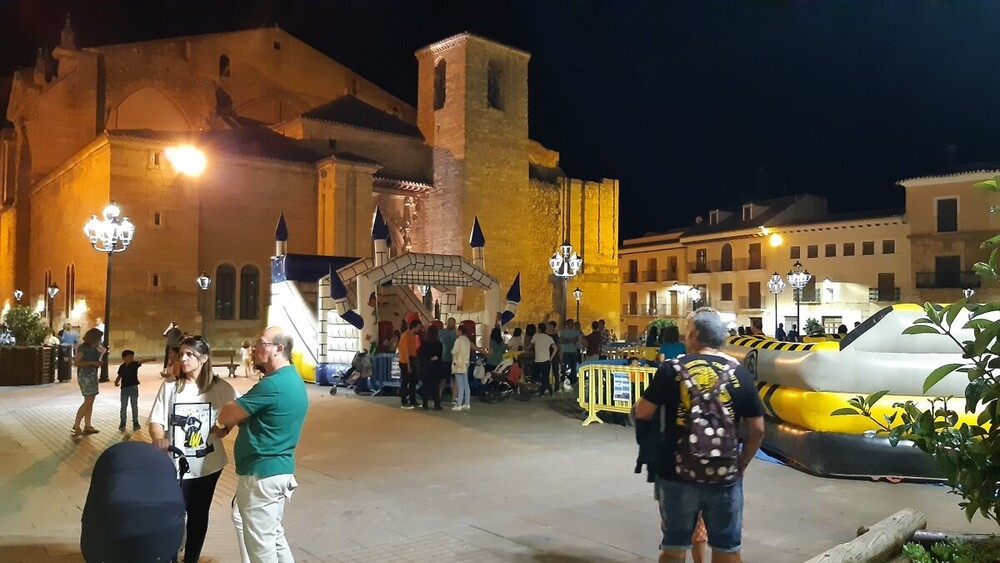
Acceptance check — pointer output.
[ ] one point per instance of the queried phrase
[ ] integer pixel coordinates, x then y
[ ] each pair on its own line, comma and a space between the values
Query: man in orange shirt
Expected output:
409, 346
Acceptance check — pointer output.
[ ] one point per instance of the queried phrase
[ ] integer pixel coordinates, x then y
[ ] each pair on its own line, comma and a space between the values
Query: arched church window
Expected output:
440, 70
225, 291
494, 95
249, 292
727, 258
224, 66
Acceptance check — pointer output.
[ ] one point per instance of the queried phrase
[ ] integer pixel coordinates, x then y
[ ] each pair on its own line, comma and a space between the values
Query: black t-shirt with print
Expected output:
739, 396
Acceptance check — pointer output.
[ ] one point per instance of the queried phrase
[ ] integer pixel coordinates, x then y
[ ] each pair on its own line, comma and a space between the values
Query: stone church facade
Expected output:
285, 129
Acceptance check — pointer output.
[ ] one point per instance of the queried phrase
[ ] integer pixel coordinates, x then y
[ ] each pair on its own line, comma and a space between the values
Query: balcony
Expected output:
699, 268
750, 264
630, 277
649, 310
670, 275
947, 280
889, 295
630, 309
649, 276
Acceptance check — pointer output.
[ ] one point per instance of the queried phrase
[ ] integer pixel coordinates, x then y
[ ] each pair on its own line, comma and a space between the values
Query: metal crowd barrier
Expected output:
385, 371
611, 388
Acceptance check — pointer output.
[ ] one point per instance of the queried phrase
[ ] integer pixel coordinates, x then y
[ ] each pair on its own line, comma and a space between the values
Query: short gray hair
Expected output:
286, 341
711, 329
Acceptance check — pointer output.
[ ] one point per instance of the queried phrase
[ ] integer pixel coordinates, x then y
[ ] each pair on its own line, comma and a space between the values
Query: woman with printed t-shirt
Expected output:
184, 411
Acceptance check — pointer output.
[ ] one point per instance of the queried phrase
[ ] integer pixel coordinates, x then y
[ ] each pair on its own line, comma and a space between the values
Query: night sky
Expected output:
692, 105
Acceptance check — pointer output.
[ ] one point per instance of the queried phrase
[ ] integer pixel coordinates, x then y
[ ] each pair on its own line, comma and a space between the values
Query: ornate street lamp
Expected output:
109, 235
565, 264
775, 285
798, 277
968, 292
577, 293
18, 294
695, 294
203, 281
51, 291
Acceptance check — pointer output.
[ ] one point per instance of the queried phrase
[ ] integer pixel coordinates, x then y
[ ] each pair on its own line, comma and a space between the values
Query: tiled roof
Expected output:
252, 141
401, 184
349, 110
735, 221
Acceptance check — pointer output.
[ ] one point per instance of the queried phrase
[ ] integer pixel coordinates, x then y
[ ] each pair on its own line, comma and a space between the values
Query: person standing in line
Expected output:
516, 341
793, 335
779, 334
430, 367
87, 361
592, 349
183, 413
128, 378
461, 353
447, 336
270, 417
174, 335
721, 502
757, 328
670, 346
496, 350
569, 347
545, 352
409, 347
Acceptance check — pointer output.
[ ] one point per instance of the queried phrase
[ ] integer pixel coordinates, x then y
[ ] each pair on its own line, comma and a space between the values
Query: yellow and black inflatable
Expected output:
802, 384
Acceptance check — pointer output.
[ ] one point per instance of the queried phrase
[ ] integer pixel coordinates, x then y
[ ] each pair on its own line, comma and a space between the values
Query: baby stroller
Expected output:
357, 376
135, 510
507, 380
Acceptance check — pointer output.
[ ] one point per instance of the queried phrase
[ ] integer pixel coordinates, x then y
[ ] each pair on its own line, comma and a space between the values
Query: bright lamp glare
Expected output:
186, 160
775, 240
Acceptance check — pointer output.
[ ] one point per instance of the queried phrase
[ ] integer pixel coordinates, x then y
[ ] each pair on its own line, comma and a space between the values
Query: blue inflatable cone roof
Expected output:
476, 239
281, 231
506, 317
354, 319
380, 231
337, 288
514, 293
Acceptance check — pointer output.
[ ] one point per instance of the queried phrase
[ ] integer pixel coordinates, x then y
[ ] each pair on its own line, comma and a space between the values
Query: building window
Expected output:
868, 247
277, 45
848, 249
812, 251
494, 94
651, 304
713, 217
157, 219
888, 247
155, 160
154, 280
795, 252
701, 260
726, 264
223, 66
249, 292
650, 269
633, 271
947, 215
830, 251
440, 71
633, 303
748, 212
225, 291
755, 262
727, 292
753, 295
672, 268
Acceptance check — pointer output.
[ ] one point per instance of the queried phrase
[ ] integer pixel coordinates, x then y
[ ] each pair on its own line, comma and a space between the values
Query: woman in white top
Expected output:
461, 353
183, 414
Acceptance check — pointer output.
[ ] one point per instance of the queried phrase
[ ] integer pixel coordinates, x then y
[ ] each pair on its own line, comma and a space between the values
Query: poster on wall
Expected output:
622, 389
190, 424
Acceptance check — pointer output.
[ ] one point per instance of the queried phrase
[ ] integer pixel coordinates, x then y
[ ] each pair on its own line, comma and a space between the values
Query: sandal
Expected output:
90, 430
76, 432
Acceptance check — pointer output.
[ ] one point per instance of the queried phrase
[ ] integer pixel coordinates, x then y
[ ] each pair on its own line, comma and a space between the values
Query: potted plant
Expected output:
23, 360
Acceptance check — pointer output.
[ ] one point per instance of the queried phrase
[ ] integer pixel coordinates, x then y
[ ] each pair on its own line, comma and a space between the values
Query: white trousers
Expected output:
257, 511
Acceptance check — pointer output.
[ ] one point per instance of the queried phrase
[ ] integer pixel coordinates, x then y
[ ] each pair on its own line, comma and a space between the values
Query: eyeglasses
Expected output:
263, 344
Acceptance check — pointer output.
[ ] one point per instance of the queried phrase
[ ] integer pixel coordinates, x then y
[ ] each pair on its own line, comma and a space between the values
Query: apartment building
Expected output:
859, 263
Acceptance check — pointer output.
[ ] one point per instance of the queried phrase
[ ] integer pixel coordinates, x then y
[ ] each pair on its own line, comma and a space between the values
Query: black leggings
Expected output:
198, 495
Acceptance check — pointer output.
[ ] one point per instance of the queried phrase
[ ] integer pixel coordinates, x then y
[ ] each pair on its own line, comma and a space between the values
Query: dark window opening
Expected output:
225, 291
795, 252
727, 292
249, 286
223, 66
494, 96
812, 251
155, 280
726, 264
157, 218
440, 72
888, 247
848, 249
947, 215
830, 251
277, 45
755, 262
868, 247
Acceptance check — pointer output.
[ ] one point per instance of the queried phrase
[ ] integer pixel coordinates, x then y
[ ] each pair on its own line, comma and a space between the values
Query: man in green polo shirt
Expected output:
270, 418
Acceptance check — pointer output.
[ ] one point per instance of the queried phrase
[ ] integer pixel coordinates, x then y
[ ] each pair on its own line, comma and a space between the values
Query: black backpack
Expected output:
708, 449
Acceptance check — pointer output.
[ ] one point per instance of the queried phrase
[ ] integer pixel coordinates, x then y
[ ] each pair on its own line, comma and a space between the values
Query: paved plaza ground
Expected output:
507, 482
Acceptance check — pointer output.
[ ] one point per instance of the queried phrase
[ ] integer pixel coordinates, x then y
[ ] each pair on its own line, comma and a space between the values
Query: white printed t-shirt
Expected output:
191, 403
543, 350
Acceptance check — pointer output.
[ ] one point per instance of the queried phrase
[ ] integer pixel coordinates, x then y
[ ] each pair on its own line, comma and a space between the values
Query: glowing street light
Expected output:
51, 291
18, 294
798, 277
109, 235
775, 285
578, 293
186, 160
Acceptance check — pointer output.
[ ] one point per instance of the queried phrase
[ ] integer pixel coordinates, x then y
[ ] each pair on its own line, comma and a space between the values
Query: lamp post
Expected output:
968, 293
775, 285
111, 234
203, 282
51, 291
798, 277
18, 294
565, 264
695, 294
577, 293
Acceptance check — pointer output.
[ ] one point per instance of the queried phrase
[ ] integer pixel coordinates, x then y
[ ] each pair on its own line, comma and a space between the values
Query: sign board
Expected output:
622, 387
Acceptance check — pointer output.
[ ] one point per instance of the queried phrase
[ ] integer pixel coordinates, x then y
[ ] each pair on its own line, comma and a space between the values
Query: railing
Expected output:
649, 276
696, 268
630, 277
749, 264
630, 309
670, 275
941, 280
611, 388
878, 294
808, 295
750, 302
650, 310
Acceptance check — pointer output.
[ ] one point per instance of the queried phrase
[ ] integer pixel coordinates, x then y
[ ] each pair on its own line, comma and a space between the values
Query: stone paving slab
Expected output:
507, 482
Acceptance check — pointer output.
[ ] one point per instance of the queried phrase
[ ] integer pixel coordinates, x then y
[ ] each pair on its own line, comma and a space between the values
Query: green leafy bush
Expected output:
956, 551
26, 326
814, 328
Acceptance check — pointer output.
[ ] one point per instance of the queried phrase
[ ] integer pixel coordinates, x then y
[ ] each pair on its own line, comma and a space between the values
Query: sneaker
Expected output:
456, 408
121, 427
136, 427
466, 407
437, 407
407, 407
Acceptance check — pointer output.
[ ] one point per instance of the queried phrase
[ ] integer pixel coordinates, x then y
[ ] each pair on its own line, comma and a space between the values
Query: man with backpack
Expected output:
706, 397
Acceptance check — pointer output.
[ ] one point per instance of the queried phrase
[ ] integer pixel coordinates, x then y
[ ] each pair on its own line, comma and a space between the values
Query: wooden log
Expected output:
927, 537
880, 543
